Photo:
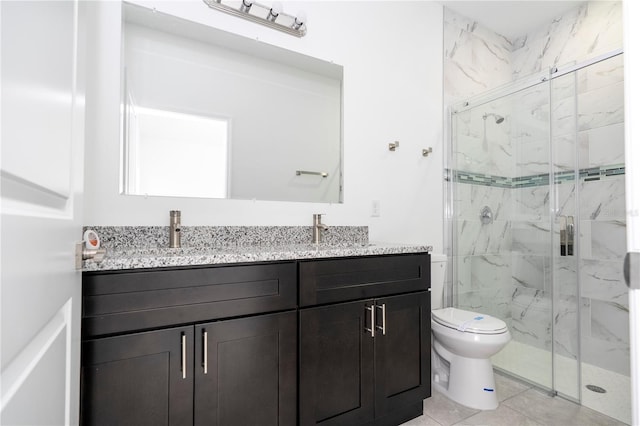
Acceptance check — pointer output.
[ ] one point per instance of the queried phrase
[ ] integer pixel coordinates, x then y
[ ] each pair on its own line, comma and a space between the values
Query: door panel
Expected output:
42, 136
403, 351
250, 376
139, 379
336, 365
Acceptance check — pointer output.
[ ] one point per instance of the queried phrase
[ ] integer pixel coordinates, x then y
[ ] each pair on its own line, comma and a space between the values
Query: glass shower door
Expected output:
501, 223
563, 268
537, 219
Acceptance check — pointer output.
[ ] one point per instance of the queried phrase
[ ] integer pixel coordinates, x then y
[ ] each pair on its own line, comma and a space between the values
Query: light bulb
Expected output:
275, 10
299, 21
246, 5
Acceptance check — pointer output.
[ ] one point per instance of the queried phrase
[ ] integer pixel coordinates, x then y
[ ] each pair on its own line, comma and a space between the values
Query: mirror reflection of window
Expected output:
284, 109
158, 154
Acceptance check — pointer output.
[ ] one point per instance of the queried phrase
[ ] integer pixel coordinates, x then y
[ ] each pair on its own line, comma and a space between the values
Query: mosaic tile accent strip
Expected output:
590, 174
480, 179
126, 237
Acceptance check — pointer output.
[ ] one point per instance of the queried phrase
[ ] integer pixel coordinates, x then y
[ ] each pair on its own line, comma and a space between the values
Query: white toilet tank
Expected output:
438, 273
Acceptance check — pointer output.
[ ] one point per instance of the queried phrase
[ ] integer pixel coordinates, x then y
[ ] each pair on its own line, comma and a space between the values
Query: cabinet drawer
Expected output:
340, 280
136, 300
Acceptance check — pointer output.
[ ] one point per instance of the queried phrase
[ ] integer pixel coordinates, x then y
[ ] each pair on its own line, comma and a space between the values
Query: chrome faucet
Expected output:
174, 228
318, 227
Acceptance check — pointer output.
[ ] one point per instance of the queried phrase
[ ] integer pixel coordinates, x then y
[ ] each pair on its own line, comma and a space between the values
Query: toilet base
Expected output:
468, 381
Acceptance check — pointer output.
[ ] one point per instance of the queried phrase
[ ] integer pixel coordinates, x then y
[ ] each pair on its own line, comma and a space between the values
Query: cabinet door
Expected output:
403, 351
246, 371
336, 365
138, 379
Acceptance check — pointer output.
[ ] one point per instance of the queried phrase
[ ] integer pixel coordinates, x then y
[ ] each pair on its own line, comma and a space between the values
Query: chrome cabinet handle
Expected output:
205, 354
184, 356
384, 318
373, 321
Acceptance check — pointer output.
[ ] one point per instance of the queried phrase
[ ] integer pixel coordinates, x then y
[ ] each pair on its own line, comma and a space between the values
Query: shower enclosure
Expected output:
536, 214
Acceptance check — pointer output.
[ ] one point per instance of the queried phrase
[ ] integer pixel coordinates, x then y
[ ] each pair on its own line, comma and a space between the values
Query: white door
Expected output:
42, 131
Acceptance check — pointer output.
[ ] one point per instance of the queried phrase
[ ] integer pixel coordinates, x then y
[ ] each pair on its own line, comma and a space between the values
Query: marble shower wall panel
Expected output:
564, 152
483, 284
563, 112
601, 74
530, 271
566, 318
531, 317
566, 199
530, 130
470, 154
603, 199
470, 200
530, 203
601, 107
592, 29
531, 238
608, 240
475, 59
603, 145
482, 146
606, 342
602, 280
474, 238
565, 275
532, 158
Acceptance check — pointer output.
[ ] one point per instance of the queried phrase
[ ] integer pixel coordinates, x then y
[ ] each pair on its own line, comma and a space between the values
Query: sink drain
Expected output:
596, 389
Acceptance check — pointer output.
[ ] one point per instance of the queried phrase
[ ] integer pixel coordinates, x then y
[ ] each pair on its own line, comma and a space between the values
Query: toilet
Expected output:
463, 344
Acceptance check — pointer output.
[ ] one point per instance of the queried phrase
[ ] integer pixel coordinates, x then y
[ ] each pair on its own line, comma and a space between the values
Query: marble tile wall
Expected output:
590, 30
506, 268
476, 59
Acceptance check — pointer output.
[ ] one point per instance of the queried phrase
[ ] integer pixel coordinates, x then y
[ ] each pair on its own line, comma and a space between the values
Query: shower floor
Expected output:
534, 365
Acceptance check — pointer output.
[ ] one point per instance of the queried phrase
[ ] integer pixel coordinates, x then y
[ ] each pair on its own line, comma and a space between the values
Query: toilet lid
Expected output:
470, 322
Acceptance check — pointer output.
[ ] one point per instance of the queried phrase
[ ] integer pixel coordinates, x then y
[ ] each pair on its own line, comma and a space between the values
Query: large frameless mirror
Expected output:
206, 113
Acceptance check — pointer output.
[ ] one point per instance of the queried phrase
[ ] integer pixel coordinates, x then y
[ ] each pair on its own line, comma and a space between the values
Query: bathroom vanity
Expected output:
316, 340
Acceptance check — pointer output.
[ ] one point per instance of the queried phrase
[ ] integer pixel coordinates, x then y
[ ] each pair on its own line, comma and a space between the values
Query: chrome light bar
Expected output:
272, 17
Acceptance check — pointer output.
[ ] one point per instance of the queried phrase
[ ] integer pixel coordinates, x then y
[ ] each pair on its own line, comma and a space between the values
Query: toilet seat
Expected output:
469, 322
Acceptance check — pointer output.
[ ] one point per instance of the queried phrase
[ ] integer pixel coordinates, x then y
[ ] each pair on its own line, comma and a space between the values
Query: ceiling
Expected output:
512, 19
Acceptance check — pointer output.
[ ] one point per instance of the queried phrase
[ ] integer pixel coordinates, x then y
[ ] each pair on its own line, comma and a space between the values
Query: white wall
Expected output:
392, 58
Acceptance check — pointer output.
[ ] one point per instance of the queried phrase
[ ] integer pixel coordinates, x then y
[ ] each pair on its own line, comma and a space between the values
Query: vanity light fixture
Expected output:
272, 17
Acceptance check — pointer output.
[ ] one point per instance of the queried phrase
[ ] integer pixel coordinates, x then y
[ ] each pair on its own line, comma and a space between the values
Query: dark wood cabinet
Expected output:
246, 371
403, 355
364, 362
246, 375
342, 341
157, 377
138, 379
336, 365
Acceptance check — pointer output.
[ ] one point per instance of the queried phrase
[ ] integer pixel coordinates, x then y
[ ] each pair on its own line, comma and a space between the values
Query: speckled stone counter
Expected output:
165, 257
136, 247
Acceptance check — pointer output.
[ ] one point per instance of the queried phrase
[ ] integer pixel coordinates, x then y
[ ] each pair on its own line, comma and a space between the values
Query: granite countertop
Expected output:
137, 258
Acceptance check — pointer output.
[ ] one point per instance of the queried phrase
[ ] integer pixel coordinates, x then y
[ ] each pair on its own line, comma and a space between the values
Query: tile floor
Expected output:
520, 405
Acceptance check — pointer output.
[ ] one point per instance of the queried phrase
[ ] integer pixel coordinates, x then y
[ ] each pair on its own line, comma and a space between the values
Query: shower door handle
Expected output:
567, 235
570, 235
563, 235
